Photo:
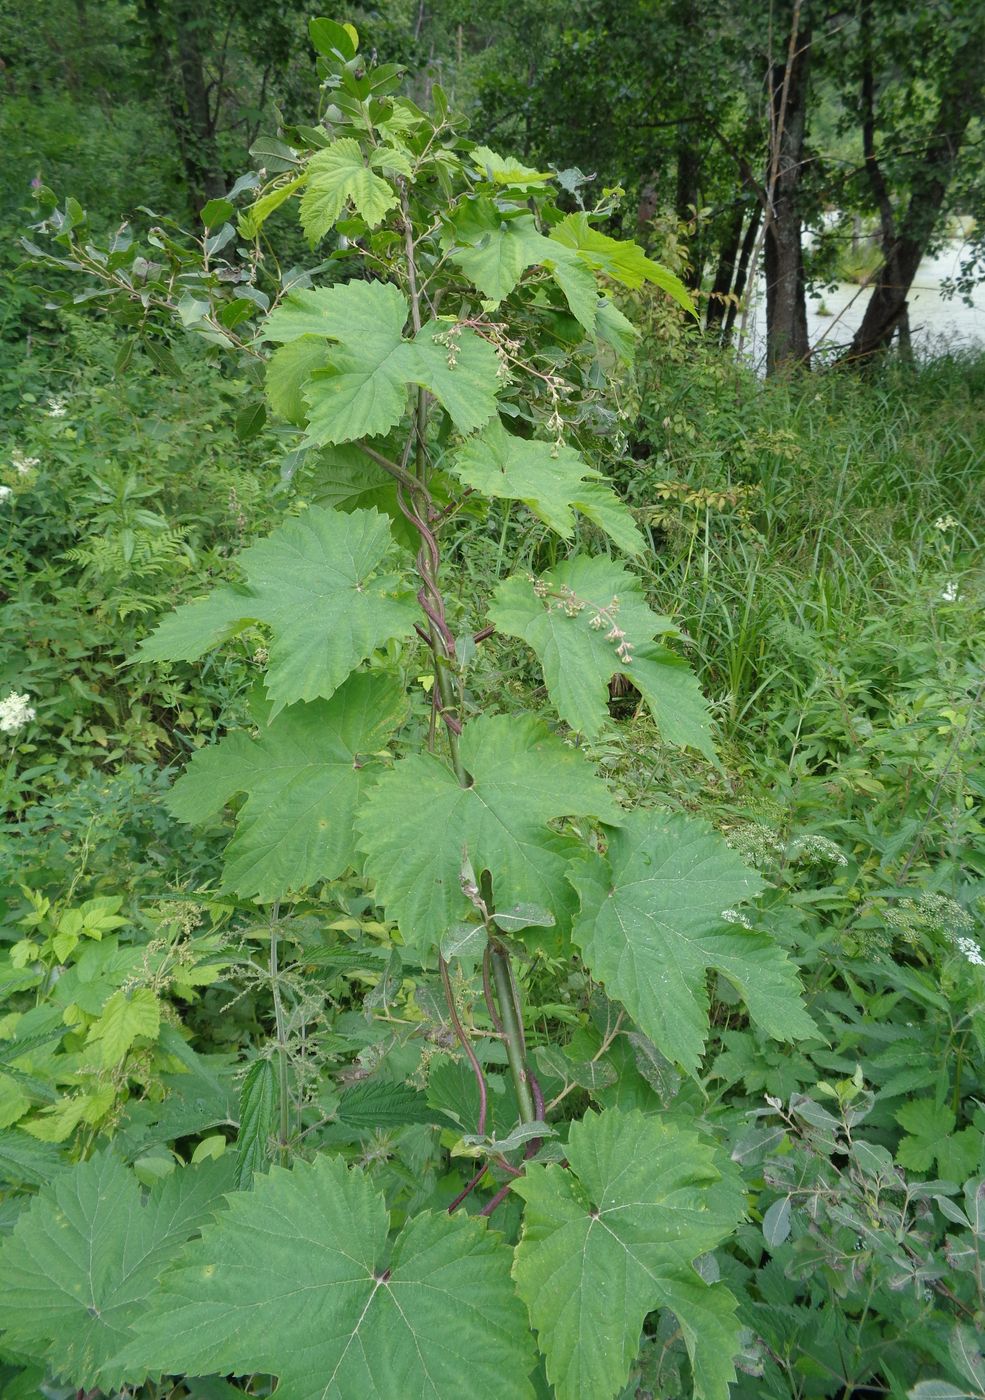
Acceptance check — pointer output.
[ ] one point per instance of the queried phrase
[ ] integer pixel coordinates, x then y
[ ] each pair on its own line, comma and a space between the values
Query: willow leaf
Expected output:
623, 261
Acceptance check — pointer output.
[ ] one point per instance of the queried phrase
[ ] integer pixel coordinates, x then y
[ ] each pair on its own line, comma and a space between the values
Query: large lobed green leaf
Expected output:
576, 617
419, 825
321, 594
353, 367
614, 1237
550, 480
492, 251
338, 176
82, 1264
297, 1279
305, 777
654, 919
315, 583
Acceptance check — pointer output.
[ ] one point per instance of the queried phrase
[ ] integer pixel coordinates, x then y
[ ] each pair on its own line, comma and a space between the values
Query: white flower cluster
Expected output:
945, 522
56, 408
755, 842
5, 494
970, 950
15, 712
816, 850
22, 465
950, 593
932, 914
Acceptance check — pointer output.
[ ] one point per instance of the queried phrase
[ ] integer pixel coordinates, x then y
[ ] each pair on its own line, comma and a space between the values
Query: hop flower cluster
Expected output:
507, 349
606, 617
558, 390
568, 602
449, 339
15, 712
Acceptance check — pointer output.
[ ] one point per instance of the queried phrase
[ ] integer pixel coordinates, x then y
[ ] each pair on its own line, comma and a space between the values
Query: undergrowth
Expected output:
818, 542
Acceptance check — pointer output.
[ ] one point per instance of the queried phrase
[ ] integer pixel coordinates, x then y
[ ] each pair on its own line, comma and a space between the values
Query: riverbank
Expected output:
938, 323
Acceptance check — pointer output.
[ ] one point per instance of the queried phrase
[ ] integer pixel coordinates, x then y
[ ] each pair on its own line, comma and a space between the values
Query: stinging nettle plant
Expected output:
450, 361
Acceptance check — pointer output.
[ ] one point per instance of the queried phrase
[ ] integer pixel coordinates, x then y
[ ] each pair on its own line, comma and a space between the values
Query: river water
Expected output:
936, 323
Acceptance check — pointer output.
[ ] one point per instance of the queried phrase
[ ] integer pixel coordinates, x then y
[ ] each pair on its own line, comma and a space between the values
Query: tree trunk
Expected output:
646, 210
725, 273
904, 339
210, 180
186, 95
742, 272
888, 307
787, 344
887, 311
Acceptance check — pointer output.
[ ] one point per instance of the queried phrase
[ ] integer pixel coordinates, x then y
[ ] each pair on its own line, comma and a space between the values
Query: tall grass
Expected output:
866, 515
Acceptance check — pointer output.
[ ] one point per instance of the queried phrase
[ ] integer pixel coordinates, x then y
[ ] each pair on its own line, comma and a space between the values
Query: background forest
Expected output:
207, 1043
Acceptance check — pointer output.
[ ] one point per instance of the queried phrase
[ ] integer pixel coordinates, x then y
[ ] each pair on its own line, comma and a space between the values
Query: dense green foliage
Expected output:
402, 999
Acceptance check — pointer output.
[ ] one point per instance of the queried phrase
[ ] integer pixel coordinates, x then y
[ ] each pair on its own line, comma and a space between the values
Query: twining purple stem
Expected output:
538, 1096
532, 1148
500, 1162
497, 1200
431, 600
447, 636
468, 1189
466, 1045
